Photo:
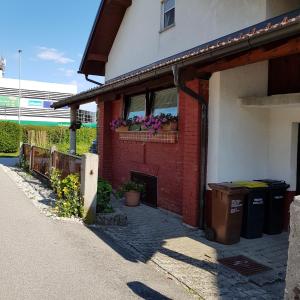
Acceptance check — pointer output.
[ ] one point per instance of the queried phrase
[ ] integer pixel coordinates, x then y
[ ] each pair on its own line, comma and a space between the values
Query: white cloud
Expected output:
67, 72
54, 55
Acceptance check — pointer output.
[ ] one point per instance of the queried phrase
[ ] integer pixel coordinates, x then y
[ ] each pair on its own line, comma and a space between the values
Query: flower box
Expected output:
122, 129
170, 126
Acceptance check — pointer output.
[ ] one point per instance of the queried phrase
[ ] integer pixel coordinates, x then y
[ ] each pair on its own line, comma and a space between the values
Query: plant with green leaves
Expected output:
128, 187
10, 134
24, 164
55, 181
104, 191
69, 202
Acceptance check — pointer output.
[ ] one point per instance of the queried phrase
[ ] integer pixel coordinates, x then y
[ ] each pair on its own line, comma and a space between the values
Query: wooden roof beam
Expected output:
274, 50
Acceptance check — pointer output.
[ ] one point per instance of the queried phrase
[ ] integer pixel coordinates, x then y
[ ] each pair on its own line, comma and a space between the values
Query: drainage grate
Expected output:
243, 265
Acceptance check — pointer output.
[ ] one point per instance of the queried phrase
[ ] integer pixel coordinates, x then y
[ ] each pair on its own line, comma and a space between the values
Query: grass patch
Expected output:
2, 154
81, 148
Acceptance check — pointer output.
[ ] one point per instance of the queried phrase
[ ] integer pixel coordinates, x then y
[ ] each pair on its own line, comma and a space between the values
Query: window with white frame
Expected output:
168, 14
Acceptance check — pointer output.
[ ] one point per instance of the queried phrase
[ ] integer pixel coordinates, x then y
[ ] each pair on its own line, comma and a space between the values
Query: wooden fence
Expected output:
42, 160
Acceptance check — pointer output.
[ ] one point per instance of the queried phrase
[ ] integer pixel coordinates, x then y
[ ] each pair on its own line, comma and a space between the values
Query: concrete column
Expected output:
292, 290
89, 181
73, 130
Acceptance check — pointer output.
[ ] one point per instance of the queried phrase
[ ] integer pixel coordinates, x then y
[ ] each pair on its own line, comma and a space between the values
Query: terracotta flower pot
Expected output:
132, 198
122, 129
171, 126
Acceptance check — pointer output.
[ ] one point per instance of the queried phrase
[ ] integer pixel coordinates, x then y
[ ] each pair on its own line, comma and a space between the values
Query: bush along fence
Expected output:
73, 178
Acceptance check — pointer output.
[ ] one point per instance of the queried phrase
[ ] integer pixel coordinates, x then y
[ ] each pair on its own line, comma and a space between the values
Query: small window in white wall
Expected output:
168, 14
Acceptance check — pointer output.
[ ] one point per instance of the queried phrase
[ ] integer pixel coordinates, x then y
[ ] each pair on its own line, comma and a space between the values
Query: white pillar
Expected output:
89, 182
292, 290
73, 130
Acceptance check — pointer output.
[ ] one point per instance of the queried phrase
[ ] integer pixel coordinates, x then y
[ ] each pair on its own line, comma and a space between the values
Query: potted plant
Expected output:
119, 125
135, 123
132, 192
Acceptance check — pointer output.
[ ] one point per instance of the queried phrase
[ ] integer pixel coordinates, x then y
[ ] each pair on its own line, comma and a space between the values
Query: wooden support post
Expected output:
73, 129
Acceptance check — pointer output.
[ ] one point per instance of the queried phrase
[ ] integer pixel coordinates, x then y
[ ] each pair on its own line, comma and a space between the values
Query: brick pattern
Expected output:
173, 157
163, 137
191, 151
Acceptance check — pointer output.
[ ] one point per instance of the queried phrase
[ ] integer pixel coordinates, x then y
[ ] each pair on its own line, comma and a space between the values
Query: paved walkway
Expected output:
160, 237
41, 258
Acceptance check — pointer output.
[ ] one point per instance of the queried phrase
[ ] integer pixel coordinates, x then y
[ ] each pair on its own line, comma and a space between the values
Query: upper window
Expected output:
168, 13
165, 102
137, 106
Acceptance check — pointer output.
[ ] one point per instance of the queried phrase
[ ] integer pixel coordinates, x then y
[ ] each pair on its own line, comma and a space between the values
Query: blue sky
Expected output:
52, 35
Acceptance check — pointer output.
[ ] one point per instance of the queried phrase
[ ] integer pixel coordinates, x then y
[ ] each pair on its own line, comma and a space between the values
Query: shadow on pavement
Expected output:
145, 292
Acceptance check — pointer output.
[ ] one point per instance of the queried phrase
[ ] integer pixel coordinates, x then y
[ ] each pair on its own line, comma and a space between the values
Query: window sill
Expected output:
163, 137
166, 28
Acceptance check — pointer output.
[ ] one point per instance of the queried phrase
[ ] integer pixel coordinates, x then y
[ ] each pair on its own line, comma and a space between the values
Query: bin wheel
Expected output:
210, 234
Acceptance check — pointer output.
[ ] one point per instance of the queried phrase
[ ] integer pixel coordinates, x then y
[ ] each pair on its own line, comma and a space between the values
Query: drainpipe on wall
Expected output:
203, 138
92, 81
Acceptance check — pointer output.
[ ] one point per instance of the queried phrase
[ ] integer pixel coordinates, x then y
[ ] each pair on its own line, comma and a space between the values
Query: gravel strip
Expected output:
40, 195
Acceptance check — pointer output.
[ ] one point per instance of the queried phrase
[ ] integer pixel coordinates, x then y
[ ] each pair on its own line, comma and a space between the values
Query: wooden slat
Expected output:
274, 50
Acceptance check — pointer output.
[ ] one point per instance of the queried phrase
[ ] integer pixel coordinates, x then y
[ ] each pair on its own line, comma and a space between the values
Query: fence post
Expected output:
31, 158
21, 154
52, 158
89, 181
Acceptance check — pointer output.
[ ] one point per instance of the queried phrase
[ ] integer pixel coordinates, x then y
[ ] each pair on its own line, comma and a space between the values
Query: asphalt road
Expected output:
42, 258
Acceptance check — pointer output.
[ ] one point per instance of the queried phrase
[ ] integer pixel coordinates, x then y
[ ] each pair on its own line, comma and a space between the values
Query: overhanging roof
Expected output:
263, 33
106, 25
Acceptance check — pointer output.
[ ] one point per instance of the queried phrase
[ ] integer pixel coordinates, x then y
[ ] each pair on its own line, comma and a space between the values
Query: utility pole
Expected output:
20, 92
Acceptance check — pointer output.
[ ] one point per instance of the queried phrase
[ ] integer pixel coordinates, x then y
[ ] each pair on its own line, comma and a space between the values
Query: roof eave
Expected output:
221, 52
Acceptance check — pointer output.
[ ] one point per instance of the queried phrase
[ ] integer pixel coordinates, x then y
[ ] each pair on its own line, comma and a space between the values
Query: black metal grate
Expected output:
243, 265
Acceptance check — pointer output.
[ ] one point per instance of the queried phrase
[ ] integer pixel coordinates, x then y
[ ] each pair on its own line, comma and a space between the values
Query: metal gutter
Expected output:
203, 140
247, 43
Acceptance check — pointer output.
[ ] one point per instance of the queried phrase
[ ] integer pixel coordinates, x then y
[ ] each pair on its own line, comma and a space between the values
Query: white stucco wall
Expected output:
283, 144
249, 142
139, 41
238, 136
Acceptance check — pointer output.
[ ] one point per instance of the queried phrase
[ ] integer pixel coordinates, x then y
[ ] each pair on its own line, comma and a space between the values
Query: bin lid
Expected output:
251, 184
228, 187
274, 183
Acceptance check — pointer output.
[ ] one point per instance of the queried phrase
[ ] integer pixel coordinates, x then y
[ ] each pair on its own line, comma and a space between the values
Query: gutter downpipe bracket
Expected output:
203, 138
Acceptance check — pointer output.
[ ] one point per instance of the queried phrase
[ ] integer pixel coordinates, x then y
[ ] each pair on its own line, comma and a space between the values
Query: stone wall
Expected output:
293, 267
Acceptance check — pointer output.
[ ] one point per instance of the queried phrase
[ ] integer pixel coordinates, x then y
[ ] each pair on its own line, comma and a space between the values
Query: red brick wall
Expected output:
176, 166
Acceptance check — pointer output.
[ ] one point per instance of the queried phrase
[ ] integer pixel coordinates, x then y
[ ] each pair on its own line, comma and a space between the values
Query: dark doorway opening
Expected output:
149, 196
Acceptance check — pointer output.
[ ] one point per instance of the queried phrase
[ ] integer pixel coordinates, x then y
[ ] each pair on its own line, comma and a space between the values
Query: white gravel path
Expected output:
41, 196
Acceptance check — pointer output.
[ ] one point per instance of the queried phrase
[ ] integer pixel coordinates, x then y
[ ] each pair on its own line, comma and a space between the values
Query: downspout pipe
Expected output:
203, 139
91, 80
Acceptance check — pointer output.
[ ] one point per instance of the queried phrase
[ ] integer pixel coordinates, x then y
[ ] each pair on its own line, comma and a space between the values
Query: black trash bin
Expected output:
253, 210
273, 223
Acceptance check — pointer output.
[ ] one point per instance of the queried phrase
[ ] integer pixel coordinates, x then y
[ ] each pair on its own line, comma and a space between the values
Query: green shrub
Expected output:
104, 191
55, 181
60, 137
9, 137
69, 201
